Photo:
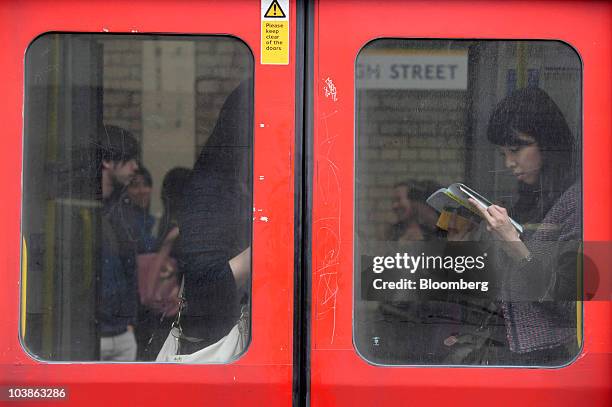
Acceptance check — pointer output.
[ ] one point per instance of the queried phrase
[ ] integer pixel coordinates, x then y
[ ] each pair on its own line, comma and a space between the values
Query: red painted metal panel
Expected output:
263, 376
339, 375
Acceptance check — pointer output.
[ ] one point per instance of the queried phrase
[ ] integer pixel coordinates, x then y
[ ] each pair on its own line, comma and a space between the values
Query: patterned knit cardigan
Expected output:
540, 308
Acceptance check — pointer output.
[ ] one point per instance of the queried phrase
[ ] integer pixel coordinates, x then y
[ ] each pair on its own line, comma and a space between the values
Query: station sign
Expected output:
407, 70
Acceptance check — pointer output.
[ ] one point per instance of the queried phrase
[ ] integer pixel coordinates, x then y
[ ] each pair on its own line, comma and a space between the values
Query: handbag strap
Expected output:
177, 320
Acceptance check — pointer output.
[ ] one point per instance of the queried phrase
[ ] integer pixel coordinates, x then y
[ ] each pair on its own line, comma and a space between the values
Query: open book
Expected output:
455, 199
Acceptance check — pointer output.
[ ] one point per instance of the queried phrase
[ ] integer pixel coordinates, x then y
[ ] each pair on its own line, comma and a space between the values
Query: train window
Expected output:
137, 180
468, 202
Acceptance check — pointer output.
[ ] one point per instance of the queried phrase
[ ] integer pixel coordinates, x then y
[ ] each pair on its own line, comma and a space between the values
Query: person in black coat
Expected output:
215, 225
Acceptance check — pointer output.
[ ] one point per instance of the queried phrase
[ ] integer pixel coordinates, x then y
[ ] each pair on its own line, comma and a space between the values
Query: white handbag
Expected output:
223, 351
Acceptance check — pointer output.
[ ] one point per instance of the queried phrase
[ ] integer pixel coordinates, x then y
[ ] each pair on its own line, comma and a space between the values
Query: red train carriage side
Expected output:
306, 203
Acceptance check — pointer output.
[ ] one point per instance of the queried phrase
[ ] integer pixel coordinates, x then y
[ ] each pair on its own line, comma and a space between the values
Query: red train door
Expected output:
403, 93
161, 73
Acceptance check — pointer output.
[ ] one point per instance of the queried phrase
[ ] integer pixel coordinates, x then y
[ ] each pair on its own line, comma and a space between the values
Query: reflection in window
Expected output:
128, 141
503, 118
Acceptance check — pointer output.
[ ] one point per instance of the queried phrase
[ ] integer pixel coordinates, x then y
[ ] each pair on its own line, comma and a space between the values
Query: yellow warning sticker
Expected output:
275, 11
275, 32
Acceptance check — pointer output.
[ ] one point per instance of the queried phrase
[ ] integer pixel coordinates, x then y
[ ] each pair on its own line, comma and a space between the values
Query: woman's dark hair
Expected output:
532, 112
145, 174
172, 198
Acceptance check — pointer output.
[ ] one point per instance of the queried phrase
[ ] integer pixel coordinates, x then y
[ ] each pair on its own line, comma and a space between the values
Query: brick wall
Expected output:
123, 84
221, 64
405, 135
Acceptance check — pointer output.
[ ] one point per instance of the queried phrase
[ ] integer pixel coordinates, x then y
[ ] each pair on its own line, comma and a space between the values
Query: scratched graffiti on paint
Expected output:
330, 90
326, 227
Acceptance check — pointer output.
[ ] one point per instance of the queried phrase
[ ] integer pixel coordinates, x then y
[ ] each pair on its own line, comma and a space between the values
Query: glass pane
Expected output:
442, 279
137, 176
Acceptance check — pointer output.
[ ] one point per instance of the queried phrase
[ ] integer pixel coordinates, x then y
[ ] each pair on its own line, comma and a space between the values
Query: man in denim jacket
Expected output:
117, 151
